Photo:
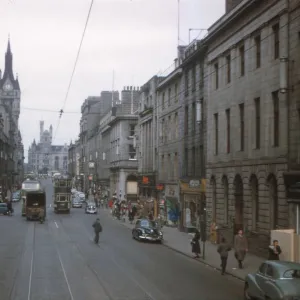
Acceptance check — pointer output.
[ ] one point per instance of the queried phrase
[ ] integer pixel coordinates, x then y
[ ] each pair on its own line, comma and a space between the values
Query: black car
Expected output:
147, 230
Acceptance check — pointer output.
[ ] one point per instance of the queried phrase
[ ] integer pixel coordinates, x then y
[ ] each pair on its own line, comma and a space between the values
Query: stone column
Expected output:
122, 184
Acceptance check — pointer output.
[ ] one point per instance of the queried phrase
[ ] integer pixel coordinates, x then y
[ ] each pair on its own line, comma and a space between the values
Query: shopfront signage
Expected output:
145, 180
194, 183
160, 187
91, 165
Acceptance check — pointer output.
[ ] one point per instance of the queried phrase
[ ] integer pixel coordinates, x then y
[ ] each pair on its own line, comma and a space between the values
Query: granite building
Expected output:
252, 118
147, 140
43, 157
192, 126
92, 110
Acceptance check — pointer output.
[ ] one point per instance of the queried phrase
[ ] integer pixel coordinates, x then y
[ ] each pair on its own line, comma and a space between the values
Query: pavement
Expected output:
58, 260
181, 243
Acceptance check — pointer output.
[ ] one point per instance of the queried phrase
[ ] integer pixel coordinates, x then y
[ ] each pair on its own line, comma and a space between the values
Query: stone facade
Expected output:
122, 157
43, 157
74, 159
192, 126
169, 93
92, 110
248, 119
147, 139
11, 146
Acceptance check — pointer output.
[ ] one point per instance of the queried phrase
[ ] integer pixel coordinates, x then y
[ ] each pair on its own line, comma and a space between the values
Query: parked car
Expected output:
3, 209
274, 280
91, 209
76, 203
147, 230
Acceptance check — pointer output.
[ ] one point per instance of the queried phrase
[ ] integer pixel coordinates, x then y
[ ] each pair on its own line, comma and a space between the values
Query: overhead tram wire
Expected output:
74, 68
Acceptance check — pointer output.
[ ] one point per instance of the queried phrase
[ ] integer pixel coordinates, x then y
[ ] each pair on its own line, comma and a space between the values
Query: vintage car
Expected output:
274, 280
147, 230
76, 203
3, 209
91, 208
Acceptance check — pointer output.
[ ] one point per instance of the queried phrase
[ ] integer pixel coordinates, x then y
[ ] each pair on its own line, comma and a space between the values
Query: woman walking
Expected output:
196, 244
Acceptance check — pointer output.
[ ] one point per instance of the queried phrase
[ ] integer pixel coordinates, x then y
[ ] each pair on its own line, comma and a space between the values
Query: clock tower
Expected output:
9, 86
10, 96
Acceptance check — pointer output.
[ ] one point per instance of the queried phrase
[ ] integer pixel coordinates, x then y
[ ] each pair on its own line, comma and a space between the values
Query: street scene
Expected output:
59, 260
149, 150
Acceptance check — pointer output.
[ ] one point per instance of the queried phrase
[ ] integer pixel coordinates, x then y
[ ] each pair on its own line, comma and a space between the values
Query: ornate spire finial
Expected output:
8, 45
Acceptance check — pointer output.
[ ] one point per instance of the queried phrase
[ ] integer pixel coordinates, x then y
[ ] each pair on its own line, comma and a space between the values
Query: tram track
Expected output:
147, 295
33, 266
11, 295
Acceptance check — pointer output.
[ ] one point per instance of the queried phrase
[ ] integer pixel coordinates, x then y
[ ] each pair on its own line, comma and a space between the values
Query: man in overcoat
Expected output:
240, 247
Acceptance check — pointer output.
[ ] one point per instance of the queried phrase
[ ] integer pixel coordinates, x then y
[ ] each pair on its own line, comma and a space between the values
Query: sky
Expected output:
135, 38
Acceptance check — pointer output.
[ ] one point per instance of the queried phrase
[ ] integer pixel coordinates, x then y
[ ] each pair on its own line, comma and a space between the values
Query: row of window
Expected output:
169, 128
257, 104
169, 96
242, 60
169, 167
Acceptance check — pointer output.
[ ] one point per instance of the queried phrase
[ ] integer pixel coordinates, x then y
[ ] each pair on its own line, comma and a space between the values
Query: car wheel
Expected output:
246, 292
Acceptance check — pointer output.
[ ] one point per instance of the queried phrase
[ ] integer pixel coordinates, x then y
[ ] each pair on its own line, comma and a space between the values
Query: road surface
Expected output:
58, 260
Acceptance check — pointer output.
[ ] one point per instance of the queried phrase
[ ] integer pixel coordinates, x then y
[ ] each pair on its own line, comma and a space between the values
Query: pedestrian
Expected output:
274, 251
97, 228
240, 247
196, 244
150, 216
223, 250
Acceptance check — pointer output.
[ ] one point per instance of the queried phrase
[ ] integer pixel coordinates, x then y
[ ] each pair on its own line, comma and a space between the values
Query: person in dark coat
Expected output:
223, 250
240, 248
196, 244
97, 228
274, 251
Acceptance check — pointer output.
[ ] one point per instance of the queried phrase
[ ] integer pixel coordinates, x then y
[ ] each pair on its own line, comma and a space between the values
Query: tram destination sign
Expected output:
30, 186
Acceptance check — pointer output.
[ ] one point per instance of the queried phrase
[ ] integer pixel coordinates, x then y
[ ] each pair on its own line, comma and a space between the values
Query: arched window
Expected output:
239, 202
225, 195
254, 201
273, 200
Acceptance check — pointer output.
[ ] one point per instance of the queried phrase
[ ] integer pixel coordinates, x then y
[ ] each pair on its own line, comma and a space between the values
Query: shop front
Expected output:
172, 204
147, 190
192, 202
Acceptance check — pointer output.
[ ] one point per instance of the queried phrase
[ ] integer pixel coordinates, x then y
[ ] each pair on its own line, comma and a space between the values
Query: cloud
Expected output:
135, 38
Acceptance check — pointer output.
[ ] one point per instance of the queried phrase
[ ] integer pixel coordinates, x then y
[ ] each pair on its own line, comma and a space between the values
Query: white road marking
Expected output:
56, 224
50, 205
65, 274
30, 276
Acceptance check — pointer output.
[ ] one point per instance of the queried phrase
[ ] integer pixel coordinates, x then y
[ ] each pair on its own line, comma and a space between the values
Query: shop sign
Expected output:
171, 191
91, 165
194, 183
91, 177
145, 180
160, 187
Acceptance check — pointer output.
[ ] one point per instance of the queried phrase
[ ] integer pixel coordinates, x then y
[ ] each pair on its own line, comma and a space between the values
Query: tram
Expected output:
29, 186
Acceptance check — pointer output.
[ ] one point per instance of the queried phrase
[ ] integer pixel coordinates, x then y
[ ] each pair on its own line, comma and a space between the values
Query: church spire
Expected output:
8, 71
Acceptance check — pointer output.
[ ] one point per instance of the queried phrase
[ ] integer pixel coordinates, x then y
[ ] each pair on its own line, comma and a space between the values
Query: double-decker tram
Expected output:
29, 187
